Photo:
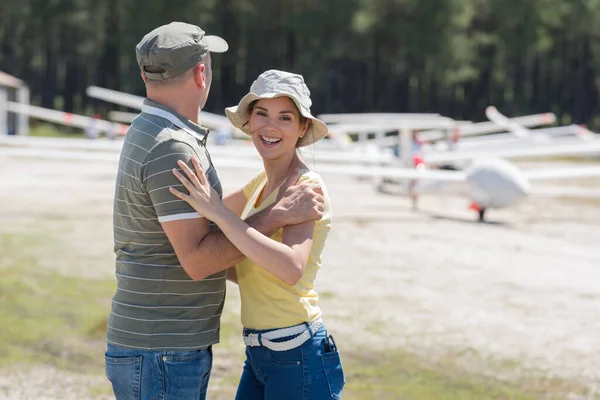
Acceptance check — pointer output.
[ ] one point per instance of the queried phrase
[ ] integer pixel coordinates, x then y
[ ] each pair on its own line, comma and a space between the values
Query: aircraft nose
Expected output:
496, 183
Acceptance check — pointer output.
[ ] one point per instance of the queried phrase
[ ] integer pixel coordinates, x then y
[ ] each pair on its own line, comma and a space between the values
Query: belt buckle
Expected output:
253, 338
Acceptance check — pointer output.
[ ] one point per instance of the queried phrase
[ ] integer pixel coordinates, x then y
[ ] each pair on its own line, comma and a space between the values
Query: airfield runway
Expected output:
520, 293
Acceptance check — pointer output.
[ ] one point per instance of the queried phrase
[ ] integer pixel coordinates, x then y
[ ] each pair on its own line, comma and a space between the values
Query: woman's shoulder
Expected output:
308, 175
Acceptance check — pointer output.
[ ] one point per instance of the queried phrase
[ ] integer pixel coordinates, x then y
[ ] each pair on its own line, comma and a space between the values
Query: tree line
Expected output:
452, 57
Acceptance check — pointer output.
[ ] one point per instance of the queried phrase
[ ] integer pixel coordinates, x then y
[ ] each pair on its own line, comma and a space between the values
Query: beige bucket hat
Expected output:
274, 83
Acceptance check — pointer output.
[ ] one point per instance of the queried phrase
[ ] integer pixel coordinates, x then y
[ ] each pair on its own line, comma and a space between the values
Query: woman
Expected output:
289, 354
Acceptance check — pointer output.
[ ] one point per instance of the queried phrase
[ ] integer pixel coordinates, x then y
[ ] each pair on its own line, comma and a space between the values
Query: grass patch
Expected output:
59, 320
377, 327
47, 130
570, 159
396, 375
579, 201
48, 317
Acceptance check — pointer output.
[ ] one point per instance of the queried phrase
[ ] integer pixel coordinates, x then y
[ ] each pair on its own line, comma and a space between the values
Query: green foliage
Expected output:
454, 57
61, 320
395, 374
45, 130
48, 317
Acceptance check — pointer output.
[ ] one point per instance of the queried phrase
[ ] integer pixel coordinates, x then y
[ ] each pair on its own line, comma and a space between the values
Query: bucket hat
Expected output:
274, 83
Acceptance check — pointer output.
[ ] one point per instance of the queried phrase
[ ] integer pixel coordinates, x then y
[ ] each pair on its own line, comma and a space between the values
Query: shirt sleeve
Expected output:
309, 177
157, 177
313, 177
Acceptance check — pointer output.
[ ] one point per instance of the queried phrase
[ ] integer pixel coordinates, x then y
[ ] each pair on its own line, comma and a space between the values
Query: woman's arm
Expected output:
236, 202
285, 261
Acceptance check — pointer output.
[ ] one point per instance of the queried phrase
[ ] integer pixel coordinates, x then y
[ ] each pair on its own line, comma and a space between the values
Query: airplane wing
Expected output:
223, 161
580, 148
62, 155
113, 96
563, 173
502, 121
210, 120
393, 172
65, 118
388, 126
51, 143
482, 128
508, 139
358, 170
363, 118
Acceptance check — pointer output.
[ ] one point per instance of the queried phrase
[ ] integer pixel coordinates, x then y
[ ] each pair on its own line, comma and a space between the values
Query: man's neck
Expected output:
182, 105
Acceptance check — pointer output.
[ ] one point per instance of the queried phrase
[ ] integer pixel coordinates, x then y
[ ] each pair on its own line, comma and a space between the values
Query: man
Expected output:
170, 262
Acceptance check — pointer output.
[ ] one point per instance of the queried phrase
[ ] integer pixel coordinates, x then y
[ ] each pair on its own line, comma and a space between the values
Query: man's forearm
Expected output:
216, 253
267, 222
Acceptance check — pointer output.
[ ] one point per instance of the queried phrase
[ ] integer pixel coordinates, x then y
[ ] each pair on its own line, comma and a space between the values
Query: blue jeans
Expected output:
311, 371
146, 374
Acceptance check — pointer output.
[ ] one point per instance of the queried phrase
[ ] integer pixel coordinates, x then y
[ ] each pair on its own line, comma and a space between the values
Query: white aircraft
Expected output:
424, 141
518, 136
363, 123
504, 140
519, 142
209, 120
404, 123
484, 128
492, 183
496, 183
92, 126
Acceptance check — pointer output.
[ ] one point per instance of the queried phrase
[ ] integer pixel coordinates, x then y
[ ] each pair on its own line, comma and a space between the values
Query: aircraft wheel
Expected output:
482, 215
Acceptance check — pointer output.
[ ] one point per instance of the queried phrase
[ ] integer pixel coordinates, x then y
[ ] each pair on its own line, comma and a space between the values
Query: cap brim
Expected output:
216, 44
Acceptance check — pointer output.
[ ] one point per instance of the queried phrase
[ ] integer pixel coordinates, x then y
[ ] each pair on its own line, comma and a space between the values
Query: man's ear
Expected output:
200, 75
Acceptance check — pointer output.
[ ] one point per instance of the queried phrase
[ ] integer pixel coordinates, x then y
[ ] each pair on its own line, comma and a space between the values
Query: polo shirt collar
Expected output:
160, 110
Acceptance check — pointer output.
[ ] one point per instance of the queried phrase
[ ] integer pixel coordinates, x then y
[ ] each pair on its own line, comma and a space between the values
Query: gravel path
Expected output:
521, 293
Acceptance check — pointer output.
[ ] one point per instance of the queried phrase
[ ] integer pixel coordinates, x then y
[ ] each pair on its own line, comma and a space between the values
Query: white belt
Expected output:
303, 331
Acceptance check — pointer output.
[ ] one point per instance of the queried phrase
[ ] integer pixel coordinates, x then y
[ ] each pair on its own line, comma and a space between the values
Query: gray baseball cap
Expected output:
172, 49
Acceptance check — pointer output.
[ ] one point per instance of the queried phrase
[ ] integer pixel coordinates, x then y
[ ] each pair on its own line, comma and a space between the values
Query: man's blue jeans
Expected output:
145, 374
311, 371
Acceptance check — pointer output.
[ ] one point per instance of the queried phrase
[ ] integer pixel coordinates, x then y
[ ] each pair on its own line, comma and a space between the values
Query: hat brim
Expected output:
239, 116
216, 44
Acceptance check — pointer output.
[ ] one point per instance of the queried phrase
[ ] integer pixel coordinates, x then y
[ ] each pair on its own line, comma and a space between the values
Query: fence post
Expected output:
3, 111
22, 127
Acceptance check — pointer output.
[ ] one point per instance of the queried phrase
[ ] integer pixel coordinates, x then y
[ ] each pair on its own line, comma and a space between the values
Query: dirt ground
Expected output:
515, 295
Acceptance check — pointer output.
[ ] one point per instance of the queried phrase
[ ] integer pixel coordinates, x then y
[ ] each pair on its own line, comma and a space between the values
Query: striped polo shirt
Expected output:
156, 305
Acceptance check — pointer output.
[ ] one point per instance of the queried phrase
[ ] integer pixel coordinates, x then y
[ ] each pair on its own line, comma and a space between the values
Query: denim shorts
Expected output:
146, 374
310, 371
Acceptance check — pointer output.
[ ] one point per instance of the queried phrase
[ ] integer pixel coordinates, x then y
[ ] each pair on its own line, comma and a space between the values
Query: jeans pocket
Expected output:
187, 374
332, 365
124, 373
287, 358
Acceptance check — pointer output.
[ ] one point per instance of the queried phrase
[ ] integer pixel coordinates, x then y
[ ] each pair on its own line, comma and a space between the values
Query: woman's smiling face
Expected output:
276, 125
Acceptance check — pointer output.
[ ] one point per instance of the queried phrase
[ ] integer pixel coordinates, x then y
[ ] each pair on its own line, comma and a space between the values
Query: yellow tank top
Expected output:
267, 302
